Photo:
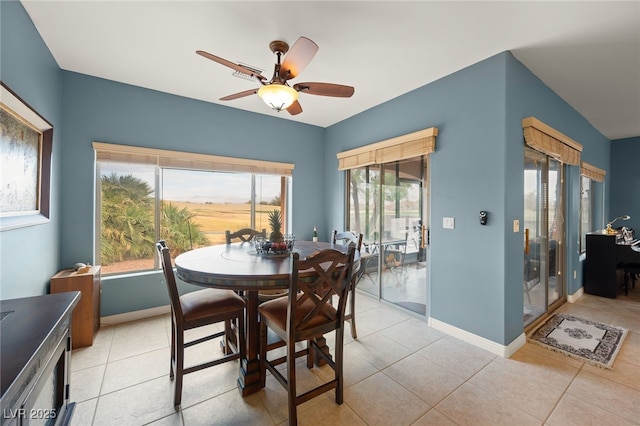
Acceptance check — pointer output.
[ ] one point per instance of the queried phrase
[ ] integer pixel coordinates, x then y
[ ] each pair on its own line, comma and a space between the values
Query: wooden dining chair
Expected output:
246, 235
197, 309
631, 271
350, 238
304, 315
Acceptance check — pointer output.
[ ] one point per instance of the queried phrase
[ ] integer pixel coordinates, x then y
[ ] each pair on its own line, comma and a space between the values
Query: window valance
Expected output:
592, 172
548, 140
188, 160
411, 145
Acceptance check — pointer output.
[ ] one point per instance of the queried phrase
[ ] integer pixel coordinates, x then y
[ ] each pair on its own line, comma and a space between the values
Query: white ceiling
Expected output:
587, 52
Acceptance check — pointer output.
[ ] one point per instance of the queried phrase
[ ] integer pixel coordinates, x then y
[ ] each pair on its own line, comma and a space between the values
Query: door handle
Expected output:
425, 236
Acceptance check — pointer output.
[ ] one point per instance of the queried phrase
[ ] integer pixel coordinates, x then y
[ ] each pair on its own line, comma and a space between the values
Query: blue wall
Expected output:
476, 272
625, 182
466, 263
94, 109
105, 111
30, 256
528, 96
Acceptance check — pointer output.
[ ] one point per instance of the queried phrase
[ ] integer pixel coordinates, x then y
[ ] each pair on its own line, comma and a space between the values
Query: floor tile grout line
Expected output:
432, 406
355, 412
104, 374
413, 351
564, 392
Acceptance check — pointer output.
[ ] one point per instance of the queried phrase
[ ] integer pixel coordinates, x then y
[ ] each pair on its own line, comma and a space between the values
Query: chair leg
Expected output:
291, 383
263, 354
173, 348
311, 356
227, 331
338, 362
241, 339
179, 373
354, 334
626, 283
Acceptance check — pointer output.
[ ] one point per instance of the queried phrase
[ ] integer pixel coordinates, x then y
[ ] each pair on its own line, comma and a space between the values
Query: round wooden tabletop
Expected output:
238, 266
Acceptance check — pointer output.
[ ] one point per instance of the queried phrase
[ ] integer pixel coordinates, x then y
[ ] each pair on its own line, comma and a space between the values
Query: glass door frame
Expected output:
543, 221
379, 240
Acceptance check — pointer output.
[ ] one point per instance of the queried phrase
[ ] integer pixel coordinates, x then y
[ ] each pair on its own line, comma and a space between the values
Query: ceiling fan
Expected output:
277, 93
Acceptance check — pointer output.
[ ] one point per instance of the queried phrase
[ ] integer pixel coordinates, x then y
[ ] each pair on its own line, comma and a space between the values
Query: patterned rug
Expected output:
586, 340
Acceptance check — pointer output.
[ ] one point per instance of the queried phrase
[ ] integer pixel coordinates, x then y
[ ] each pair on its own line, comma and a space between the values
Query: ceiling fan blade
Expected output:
295, 108
325, 89
231, 65
299, 56
239, 95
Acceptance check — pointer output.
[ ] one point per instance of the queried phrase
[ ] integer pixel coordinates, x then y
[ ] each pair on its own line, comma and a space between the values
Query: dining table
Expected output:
241, 268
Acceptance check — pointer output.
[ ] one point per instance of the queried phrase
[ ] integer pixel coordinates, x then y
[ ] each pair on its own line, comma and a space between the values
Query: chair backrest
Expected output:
244, 234
347, 238
310, 311
170, 279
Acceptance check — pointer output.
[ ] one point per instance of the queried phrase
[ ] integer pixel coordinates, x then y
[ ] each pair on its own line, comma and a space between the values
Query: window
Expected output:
586, 211
189, 200
589, 192
402, 160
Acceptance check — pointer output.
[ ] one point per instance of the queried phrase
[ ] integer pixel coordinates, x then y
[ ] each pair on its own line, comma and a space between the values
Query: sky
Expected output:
201, 186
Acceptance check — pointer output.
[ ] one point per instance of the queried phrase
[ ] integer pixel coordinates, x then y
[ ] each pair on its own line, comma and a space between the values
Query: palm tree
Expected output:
128, 222
393, 192
127, 219
178, 229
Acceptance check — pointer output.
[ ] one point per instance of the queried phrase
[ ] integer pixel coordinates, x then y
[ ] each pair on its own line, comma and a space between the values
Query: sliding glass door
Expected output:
363, 217
544, 287
388, 204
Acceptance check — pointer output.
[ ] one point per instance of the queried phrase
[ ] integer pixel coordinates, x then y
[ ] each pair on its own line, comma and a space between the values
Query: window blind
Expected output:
188, 160
592, 172
548, 140
411, 145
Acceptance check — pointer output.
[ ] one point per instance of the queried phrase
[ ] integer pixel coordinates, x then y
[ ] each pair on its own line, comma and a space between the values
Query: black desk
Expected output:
35, 353
604, 258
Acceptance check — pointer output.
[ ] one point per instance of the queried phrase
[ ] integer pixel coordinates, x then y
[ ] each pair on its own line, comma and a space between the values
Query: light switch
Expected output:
448, 222
516, 225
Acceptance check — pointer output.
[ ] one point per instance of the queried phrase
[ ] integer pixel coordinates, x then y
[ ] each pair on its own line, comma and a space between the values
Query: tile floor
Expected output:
399, 372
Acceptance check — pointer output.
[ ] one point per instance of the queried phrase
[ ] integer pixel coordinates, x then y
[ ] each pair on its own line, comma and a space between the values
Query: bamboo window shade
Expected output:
592, 172
548, 140
411, 145
188, 160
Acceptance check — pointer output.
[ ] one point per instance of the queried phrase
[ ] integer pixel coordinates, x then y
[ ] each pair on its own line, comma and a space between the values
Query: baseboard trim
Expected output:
481, 342
572, 298
135, 315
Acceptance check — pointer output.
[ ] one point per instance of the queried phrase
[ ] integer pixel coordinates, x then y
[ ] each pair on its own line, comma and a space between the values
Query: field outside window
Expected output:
142, 203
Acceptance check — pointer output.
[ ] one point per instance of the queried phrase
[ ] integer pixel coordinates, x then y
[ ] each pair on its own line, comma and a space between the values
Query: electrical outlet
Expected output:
575, 274
448, 222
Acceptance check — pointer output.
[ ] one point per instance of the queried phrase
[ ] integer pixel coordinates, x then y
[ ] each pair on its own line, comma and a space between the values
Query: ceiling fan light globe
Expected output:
278, 96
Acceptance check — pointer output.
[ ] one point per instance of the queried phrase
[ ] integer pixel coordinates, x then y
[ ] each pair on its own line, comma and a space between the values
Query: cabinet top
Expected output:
72, 272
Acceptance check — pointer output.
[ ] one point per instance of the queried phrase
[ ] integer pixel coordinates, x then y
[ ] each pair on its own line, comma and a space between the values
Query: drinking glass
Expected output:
289, 239
258, 242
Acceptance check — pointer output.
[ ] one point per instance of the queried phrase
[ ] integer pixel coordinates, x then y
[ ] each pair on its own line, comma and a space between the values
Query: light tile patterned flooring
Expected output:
399, 372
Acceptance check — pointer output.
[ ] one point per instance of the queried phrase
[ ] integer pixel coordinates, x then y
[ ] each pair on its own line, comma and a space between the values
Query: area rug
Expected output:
586, 340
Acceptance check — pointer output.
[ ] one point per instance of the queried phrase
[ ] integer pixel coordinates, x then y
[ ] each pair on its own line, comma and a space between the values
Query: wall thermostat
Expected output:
483, 217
